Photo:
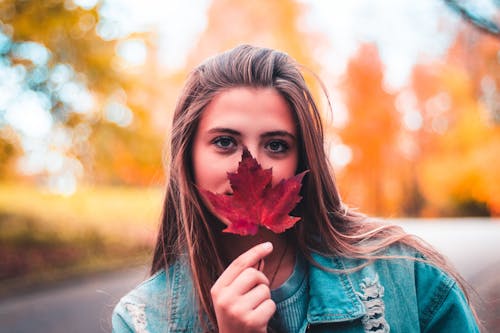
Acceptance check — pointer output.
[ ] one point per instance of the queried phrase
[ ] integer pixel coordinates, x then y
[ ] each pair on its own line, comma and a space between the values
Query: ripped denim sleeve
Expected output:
138, 315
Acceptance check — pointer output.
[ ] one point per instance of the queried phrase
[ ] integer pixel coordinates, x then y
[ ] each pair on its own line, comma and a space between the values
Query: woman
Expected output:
335, 270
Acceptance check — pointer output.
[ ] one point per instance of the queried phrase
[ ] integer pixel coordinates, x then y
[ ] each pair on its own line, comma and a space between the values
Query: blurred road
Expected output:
472, 244
81, 306
85, 305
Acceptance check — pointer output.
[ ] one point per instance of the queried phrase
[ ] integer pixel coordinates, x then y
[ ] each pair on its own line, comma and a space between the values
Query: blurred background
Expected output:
87, 89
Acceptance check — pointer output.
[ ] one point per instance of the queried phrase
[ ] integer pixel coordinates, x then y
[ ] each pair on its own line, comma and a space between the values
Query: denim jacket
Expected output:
387, 295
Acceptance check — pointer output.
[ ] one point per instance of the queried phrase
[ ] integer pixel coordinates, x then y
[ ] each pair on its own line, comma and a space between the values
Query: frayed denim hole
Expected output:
371, 296
138, 314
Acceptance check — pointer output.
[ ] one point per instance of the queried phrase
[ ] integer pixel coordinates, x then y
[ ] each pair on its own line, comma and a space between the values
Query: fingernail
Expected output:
267, 245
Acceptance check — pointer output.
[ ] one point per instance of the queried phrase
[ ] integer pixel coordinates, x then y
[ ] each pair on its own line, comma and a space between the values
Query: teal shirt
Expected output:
396, 295
292, 299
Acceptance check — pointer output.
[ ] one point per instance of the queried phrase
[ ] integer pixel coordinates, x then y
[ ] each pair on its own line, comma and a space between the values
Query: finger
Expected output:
261, 265
256, 296
247, 280
245, 260
263, 312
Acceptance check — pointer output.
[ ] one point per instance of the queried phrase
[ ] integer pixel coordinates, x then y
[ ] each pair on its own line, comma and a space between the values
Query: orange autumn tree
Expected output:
371, 180
459, 170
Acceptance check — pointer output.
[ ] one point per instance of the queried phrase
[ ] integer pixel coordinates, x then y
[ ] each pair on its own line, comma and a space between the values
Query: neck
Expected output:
279, 264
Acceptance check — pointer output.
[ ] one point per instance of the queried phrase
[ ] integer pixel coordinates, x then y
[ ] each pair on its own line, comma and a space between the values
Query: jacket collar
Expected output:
332, 297
183, 316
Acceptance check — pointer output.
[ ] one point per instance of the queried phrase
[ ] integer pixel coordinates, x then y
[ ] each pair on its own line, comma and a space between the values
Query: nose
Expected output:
259, 155
254, 151
236, 159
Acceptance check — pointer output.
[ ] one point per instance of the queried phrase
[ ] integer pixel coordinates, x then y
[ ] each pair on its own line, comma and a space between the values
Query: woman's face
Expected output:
258, 118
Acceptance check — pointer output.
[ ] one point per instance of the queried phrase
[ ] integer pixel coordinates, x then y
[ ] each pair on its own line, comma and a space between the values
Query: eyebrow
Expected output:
265, 135
279, 133
224, 130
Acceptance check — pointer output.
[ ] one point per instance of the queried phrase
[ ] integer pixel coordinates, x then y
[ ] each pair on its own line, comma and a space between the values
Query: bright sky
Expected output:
404, 30
178, 24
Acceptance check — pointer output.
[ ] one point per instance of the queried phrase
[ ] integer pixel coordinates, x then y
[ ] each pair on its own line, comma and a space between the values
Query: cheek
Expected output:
210, 172
284, 170
203, 172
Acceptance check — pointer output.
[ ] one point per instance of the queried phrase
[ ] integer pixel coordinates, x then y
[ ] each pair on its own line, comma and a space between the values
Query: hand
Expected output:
241, 295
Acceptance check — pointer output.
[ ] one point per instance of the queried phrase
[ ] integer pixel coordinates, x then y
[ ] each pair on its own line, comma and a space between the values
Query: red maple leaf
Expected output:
254, 201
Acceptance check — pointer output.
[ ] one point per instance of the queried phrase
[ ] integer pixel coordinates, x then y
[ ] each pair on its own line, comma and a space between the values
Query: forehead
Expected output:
249, 107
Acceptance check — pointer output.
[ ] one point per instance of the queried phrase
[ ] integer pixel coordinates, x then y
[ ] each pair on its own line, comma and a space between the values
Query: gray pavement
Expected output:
82, 306
471, 244
85, 305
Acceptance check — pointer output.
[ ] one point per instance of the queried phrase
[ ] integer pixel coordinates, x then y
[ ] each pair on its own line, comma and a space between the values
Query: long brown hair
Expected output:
188, 227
